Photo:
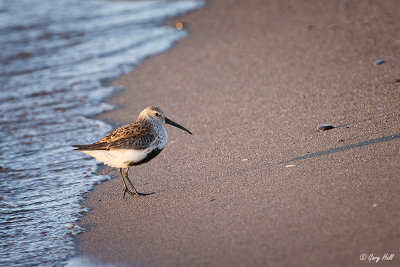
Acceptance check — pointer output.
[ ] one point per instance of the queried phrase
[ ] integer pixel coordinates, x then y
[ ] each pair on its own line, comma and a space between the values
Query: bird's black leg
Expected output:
134, 190
129, 181
123, 181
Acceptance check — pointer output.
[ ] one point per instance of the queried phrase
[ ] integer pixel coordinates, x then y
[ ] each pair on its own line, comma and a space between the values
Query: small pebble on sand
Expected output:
324, 127
379, 62
179, 26
290, 165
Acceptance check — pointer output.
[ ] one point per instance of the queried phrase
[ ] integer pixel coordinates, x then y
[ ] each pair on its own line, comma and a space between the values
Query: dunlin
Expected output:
132, 144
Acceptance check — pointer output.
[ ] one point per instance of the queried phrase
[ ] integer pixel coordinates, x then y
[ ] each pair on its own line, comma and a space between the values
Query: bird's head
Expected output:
155, 113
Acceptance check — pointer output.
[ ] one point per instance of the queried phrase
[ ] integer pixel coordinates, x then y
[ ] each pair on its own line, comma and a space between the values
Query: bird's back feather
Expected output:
131, 136
136, 129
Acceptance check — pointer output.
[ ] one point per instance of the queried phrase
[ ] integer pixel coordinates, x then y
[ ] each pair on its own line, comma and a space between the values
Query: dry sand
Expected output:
256, 185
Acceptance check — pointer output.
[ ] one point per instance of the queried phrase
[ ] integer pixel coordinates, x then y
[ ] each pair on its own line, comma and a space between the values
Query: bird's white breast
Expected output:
118, 158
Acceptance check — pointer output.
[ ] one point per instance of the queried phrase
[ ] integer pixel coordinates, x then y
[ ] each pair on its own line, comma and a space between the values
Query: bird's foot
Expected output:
130, 193
135, 193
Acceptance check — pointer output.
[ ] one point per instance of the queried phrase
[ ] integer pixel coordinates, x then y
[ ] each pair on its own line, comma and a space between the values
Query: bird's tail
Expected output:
95, 146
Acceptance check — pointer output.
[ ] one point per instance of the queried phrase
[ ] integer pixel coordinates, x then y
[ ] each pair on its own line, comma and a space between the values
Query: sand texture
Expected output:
256, 184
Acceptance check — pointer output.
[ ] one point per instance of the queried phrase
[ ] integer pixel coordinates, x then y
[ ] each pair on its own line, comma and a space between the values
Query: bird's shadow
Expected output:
344, 148
142, 194
152, 193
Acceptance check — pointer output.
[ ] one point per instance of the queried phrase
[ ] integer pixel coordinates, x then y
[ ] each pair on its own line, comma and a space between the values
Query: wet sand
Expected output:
256, 184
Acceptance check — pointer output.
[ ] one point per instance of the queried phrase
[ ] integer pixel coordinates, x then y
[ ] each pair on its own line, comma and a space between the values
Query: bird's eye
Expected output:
157, 114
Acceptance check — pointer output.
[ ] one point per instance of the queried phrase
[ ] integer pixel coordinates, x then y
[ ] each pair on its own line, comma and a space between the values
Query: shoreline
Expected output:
256, 184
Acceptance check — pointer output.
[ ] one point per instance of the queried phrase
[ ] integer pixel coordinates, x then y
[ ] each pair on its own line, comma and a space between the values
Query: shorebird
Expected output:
132, 144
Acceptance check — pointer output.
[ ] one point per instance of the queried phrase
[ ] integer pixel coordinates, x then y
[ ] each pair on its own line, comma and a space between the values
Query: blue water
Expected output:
54, 57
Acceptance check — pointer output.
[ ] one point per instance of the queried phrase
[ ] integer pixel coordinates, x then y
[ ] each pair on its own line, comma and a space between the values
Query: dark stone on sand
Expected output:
379, 62
324, 127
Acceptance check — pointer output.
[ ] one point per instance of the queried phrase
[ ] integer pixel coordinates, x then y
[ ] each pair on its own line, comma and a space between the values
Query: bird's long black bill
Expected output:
168, 121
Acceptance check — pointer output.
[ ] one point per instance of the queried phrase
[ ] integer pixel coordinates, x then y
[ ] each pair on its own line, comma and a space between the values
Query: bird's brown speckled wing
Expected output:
131, 136
134, 129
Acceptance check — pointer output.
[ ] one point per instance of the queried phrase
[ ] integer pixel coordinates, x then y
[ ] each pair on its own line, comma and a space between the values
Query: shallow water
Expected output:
55, 57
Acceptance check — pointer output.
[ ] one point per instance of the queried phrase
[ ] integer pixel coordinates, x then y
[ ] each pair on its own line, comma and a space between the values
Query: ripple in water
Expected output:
54, 55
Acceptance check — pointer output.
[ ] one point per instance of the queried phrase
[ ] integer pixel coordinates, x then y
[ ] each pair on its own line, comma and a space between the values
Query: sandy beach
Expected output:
256, 184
